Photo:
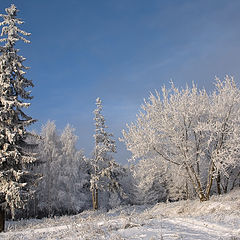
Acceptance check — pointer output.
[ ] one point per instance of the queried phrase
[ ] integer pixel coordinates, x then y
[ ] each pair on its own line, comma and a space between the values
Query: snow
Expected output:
217, 219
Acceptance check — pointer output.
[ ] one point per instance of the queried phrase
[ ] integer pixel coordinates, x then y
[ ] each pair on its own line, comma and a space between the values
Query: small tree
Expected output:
73, 179
14, 155
64, 187
50, 154
103, 164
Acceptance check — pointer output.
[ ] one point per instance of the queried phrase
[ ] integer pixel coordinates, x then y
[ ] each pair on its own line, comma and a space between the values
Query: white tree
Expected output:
224, 132
191, 130
103, 164
157, 181
14, 157
50, 154
65, 179
72, 175
230, 180
151, 180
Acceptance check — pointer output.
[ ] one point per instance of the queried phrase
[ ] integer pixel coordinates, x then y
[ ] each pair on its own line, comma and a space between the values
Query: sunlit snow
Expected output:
216, 219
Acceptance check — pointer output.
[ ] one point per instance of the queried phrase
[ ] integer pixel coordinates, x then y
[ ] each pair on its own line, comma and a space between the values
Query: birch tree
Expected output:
50, 154
64, 188
195, 131
71, 174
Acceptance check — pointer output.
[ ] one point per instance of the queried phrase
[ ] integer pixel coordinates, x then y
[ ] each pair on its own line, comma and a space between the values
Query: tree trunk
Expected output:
95, 198
187, 191
210, 180
218, 180
197, 185
2, 218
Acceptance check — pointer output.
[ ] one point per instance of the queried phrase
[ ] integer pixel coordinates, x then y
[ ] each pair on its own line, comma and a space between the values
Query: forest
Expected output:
185, 144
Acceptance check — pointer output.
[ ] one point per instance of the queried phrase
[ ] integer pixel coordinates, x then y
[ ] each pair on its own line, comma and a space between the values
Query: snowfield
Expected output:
216, 219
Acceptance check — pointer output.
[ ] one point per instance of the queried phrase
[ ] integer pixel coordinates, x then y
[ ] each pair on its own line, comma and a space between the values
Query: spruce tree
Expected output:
103, 164
16, 153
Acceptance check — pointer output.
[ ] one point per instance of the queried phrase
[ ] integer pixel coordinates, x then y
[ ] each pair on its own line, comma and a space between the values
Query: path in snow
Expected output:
122, 228
217, 219
180, 228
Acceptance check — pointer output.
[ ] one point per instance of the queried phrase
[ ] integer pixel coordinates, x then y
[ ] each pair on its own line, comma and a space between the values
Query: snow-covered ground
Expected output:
216, 219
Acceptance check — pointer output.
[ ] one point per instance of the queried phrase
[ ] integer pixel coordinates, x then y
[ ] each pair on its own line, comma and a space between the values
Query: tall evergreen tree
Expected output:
103, 163
15, 180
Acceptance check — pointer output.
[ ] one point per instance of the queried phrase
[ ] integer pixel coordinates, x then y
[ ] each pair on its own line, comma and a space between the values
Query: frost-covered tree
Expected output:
196, 132
15, 179
103, 164
230, 180
73, 178
177, 184
50, 154
157, 181
150, 181
127, 192
64, 188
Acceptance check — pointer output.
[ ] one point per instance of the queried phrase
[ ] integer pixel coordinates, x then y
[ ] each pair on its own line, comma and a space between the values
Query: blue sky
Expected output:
120, 51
